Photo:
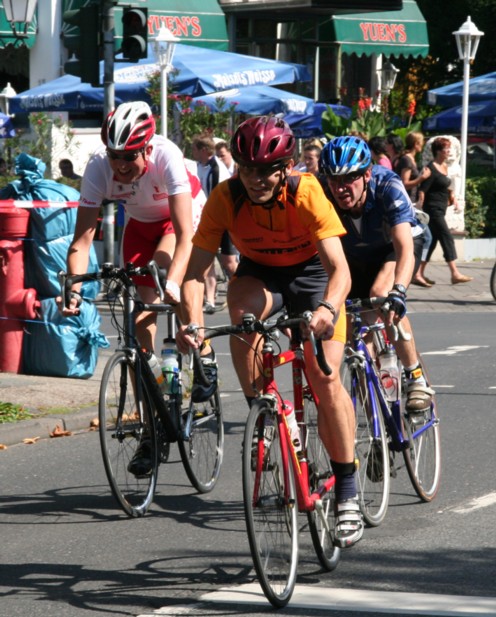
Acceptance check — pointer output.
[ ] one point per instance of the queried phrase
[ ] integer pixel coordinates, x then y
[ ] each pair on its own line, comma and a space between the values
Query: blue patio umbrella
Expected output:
481, 118
310, 125
6, 126
482, 88
196, 71
257, 100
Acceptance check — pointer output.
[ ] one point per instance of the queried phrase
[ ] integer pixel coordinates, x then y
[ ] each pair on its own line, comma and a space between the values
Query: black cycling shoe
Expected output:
199, 392
141, 465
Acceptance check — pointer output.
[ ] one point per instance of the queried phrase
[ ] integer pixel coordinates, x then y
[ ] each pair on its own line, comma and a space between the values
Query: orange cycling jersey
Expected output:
283, 233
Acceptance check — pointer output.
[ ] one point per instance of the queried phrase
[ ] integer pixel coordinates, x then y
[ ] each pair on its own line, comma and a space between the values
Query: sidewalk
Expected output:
72, 404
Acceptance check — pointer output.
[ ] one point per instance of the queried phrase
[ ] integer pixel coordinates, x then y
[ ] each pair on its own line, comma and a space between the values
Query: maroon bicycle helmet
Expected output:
263, 141
129, 127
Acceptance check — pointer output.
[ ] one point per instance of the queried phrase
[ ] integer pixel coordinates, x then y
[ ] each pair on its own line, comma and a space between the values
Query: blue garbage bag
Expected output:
50, 229
58, 346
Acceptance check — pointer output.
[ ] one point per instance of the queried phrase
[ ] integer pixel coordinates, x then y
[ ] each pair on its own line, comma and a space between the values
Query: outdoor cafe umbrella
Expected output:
196, 71
310, 125
481, 88
481, 118
6, 126
256, 100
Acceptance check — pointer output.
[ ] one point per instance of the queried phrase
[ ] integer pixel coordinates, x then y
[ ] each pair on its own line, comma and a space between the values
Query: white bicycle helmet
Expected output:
129, 127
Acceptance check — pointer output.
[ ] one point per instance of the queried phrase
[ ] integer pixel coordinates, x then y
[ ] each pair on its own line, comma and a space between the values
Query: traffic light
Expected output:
84, 44
134, 33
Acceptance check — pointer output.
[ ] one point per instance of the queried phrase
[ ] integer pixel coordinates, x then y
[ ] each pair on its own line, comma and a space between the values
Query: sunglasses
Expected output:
345, 179
262, 172
128, 156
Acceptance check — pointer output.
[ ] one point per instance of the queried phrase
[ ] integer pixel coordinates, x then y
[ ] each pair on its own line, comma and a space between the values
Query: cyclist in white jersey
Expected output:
148, 175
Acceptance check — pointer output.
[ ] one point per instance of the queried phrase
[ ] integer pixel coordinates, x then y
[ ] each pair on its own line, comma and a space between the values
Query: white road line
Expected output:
480, 502
451, 351
328, 599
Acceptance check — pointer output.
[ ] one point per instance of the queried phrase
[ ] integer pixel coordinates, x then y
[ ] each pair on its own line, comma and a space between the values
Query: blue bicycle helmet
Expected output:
345, 155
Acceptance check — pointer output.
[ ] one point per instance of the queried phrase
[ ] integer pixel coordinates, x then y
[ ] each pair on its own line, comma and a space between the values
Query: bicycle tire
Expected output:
492, 281
319, 467
203, 450
423, 456
271, 513
372, 456
122, 425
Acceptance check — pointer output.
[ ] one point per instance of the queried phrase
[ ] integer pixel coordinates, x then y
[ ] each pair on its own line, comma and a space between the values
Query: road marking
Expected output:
328, 599
477, 503
451, 351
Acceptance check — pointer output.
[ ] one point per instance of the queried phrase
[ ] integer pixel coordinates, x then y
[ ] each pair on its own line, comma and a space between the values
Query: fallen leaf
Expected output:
3, 446
30, 440
95, 423
59, 432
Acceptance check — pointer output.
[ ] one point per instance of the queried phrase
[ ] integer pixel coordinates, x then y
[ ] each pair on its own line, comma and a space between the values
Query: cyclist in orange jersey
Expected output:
288, 237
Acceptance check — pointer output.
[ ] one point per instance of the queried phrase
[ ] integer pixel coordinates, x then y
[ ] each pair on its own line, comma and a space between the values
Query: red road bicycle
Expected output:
280, 476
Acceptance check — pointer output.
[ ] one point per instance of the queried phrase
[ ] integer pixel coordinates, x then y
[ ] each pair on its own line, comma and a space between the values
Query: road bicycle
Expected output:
132, 406
383, 427
282, 476
492, 282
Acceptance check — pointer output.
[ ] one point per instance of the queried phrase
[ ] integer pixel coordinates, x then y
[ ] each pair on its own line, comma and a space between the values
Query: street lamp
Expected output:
388, 79
388, 76
163, 47
19, 12
5, 95
467, 41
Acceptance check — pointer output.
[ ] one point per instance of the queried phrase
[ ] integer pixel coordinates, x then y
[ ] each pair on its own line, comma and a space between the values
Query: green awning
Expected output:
8, 38
392, 33
194, 22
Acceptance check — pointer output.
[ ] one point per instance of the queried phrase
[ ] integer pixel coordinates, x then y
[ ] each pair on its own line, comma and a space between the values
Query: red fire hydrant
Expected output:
16, 303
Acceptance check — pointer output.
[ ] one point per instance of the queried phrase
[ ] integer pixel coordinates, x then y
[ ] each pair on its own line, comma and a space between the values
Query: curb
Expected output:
41, 428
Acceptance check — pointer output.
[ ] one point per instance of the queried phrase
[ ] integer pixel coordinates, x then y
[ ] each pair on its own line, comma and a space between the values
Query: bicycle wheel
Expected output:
270, 506
321, 523
371, 448
202, 442
423, 456
492, 281
124, 424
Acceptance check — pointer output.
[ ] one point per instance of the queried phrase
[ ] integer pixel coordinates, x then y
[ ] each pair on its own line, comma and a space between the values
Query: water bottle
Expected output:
294, 431
170, 367
390, 378
156, 367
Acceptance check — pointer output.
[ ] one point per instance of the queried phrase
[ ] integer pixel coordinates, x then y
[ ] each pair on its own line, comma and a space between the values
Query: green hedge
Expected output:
480, 203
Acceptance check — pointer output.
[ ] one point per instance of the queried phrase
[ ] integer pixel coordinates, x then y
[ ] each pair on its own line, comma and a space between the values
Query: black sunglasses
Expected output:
345, 179
128, 156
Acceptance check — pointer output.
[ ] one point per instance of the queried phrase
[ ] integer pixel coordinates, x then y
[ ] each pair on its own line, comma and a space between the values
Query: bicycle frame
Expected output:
307, 501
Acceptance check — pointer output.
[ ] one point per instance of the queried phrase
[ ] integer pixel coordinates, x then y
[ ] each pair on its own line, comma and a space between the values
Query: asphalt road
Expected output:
68, 551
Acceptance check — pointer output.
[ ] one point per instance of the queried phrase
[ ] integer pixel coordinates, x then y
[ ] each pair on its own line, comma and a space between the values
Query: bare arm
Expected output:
401, 236
192, 295
182, 219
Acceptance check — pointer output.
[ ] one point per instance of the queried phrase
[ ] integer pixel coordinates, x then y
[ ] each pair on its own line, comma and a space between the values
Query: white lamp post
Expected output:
5, 95
19, 12
467, 42
164, 45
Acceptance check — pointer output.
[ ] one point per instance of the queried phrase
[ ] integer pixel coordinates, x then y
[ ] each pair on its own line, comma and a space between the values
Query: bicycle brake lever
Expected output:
153, 269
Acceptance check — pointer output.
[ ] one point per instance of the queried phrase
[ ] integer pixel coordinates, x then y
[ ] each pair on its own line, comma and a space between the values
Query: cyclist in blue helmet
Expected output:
383, 245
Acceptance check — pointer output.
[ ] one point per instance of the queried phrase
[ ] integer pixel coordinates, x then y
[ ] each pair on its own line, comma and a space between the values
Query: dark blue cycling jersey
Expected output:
387, 205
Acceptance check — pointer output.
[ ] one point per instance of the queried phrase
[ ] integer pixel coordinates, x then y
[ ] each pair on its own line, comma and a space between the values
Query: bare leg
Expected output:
336, 415
247, 295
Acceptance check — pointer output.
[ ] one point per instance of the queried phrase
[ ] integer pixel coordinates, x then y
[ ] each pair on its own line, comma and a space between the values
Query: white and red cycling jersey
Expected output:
146, 199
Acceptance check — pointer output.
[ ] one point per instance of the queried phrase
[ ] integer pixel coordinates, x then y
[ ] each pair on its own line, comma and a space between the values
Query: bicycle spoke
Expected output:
270, 508
371, 446
321, 520
124, 425
423, 456
202, 447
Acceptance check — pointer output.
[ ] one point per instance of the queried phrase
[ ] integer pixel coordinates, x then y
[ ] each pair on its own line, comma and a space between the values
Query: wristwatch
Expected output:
400, 288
